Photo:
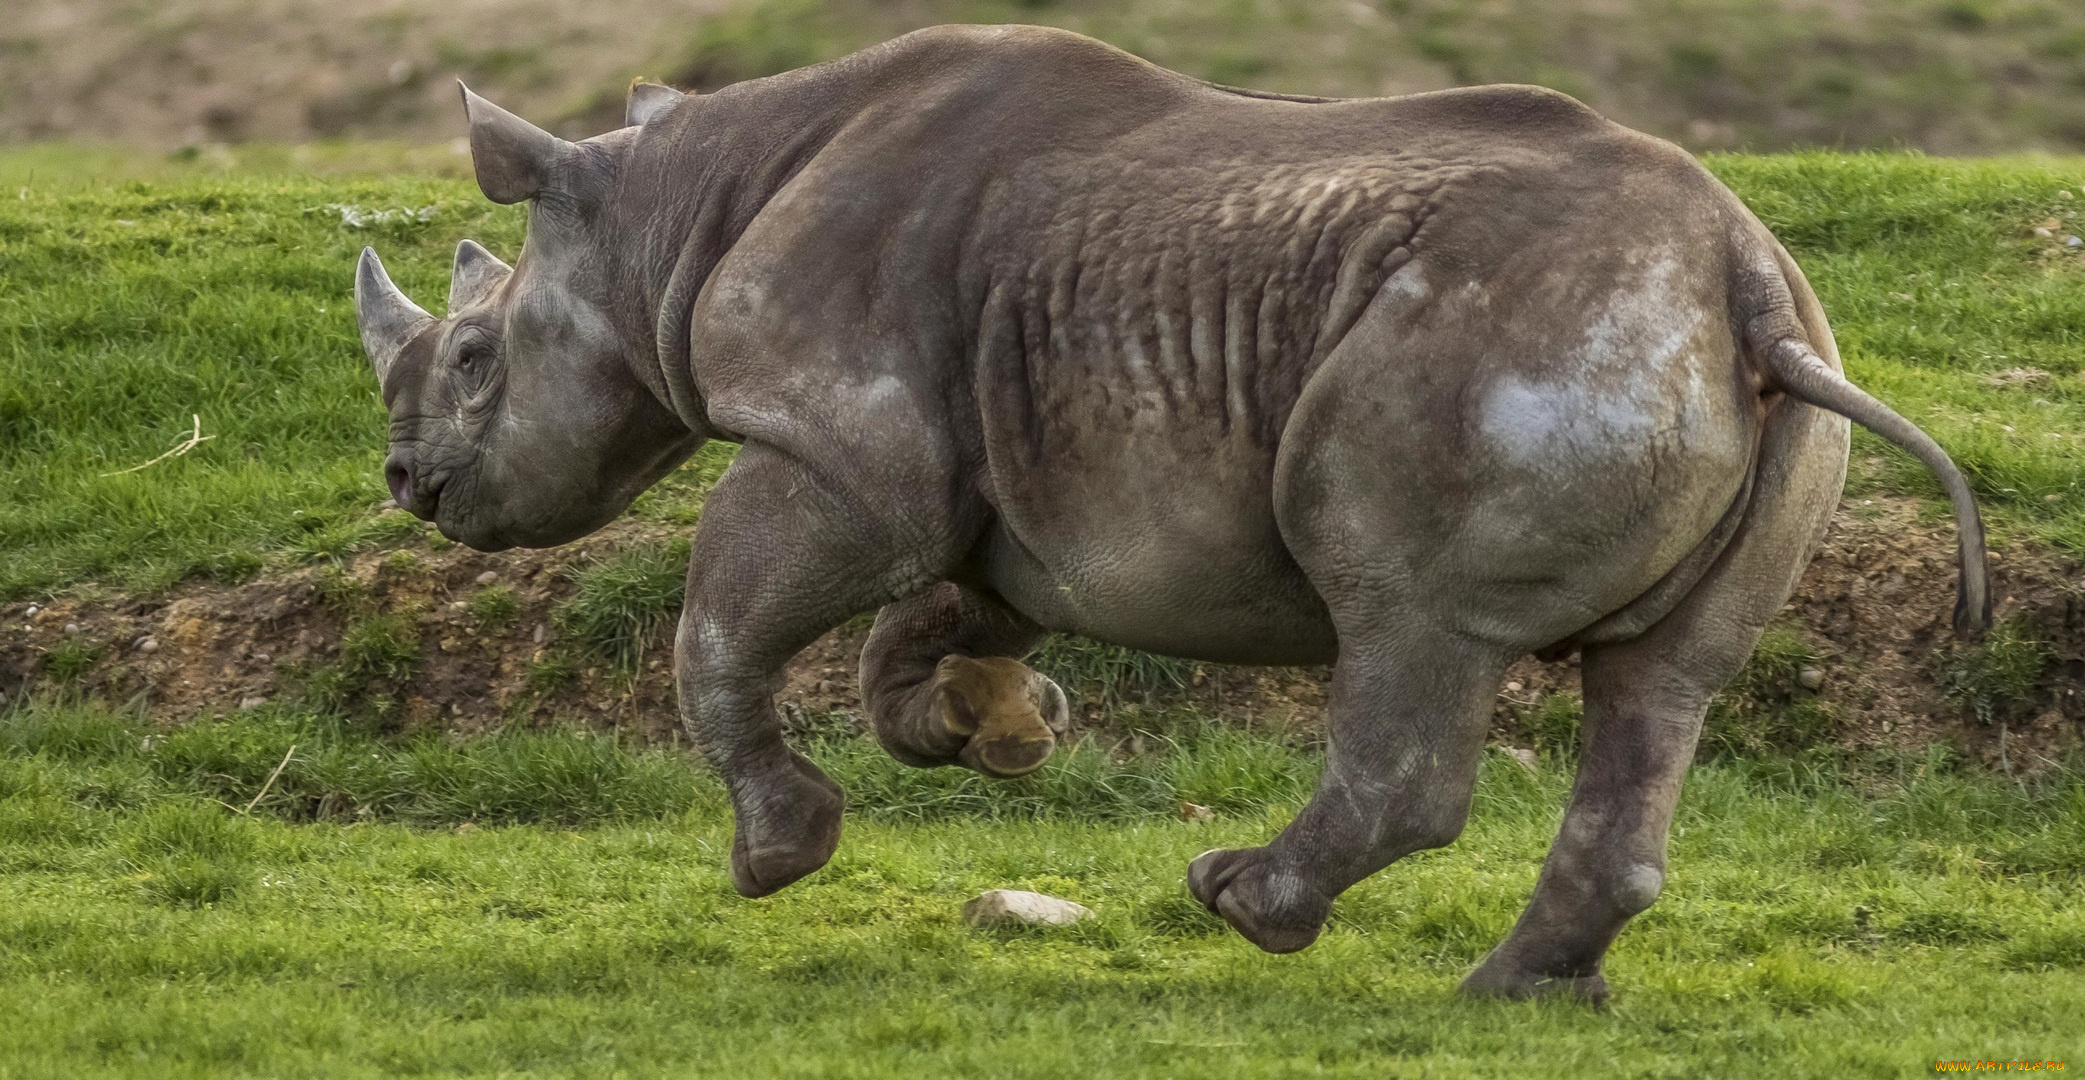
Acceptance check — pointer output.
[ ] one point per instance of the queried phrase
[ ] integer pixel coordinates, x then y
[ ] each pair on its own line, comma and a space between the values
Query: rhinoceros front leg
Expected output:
778, 559
1408, 719
942, 686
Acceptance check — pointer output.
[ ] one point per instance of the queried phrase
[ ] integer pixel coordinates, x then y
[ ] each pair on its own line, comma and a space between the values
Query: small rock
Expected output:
1195, 812
2052, 498
262, 658
1526, 757
253, 702
2045, 232
148, 644
34, 610
467, 827
71, 628
2072, 241
488, 577
1013, 907
541, 635
1514, 687
1810, 678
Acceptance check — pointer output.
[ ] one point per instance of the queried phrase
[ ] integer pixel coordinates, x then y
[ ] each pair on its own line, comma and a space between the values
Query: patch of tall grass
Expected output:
334, 770
622, 602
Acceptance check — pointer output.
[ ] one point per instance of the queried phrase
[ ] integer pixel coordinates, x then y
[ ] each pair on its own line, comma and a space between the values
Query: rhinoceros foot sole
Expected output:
1008, 714
1274, 907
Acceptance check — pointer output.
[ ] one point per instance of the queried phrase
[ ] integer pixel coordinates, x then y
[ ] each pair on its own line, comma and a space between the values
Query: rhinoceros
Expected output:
1020, 333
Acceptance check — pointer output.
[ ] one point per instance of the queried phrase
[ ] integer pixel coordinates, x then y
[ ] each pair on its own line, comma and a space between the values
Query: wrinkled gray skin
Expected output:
1019, 332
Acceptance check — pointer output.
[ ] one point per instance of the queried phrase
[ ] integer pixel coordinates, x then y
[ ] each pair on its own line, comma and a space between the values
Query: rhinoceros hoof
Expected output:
1499, 976
1007, 714
1275, 908
787, 827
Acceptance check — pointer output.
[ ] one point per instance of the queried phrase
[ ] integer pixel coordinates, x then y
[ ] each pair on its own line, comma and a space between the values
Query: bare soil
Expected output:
1875, 603
185, 72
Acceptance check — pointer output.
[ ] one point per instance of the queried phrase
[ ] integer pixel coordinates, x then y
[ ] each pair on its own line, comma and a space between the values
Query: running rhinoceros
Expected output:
1020, 333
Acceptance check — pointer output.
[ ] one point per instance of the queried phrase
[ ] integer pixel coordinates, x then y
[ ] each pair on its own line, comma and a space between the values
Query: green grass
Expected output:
621, 603
1106, 674
1946, 306
131, 306
134, 306
1819, 923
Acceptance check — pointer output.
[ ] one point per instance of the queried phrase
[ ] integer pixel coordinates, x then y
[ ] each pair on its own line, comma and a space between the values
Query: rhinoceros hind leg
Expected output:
942, 686
1408, 719
1644, 703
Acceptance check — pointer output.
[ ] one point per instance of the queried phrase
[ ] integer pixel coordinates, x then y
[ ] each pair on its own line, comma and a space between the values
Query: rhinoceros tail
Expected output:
1790, 364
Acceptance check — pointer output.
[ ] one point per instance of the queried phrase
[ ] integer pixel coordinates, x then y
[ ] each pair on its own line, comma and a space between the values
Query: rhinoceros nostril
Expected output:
400, 481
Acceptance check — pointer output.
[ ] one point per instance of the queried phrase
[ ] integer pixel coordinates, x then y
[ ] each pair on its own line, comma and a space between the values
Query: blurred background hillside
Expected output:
1944, 76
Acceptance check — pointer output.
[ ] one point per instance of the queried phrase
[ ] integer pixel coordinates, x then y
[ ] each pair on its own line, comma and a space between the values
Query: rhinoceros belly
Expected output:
1175, 572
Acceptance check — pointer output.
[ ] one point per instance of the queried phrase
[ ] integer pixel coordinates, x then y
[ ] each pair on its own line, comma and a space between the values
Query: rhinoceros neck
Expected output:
693, 183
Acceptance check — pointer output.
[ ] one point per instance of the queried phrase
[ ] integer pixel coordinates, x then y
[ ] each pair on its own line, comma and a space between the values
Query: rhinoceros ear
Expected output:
649, 101
514, 159
388, 319
476, 273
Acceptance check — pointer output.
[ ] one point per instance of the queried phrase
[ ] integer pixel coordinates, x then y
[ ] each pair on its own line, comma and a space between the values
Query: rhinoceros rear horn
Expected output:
649, 101
388, 319
476, 273
515, 160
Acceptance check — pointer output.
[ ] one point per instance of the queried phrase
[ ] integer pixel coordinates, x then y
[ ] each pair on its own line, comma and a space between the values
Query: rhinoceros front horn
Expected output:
514, 159
388, 319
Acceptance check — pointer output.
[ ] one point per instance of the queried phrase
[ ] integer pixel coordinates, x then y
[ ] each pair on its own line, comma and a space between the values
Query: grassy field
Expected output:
221, 291
550, 904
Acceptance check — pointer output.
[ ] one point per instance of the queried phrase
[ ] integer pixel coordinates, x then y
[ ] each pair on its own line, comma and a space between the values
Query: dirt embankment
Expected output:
1872, 611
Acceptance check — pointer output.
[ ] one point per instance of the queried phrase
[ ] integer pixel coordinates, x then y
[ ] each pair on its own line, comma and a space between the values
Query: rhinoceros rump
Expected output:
1019, 332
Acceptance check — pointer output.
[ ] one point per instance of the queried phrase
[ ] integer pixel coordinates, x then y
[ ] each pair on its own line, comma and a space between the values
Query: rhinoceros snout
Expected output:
399, 477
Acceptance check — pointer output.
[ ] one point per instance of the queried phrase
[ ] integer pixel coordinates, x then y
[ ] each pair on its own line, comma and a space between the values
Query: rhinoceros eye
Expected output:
474, 359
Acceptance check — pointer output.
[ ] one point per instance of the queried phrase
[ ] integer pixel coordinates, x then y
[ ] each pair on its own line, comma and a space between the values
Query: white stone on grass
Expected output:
1013, 907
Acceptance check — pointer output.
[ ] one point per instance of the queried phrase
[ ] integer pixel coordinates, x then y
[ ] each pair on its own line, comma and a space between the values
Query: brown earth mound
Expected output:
1871, 617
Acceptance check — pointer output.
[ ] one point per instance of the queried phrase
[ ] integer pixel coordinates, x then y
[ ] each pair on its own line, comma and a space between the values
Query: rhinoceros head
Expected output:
517, 417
